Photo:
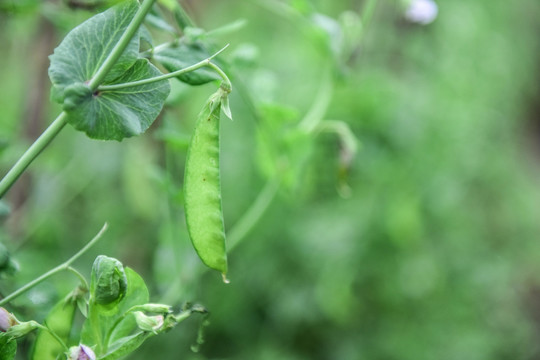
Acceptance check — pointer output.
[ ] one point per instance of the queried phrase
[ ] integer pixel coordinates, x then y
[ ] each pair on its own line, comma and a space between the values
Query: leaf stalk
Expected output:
32, 152
200, 64
121, 44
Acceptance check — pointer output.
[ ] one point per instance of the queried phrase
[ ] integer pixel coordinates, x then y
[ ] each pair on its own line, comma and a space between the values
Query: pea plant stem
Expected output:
80, 276
226, 82
253, 214
56, 270
200, 64
320, 105
33, 151
367, 14
121, 45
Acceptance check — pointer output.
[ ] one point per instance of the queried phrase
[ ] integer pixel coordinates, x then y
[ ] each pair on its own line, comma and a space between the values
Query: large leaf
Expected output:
85, 48
113, 114
183, 55
106, 323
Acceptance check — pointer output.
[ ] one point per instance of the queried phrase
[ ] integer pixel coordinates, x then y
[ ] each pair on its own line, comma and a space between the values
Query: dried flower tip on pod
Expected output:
81, 352
7, 320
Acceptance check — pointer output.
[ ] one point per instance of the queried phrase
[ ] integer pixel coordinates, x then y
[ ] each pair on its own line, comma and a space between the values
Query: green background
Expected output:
426, 247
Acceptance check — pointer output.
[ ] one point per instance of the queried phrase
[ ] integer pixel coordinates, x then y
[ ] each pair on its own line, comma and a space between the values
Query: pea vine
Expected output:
111, 90
107, 75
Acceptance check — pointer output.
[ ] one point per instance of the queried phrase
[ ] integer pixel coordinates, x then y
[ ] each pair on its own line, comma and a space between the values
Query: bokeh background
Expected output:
423, 244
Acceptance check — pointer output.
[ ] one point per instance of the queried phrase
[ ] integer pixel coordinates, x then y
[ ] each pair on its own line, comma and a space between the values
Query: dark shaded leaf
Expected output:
182, 56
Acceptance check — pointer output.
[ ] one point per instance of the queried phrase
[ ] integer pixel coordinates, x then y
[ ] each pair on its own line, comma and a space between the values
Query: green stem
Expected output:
183, 315
253, 214
200, 64
238, 232
226, 84
320, 105
33, 151
121, 44
182, 18
53, 334
59, 268
367, 14
343, 131
148, 54
80, 276
227, 29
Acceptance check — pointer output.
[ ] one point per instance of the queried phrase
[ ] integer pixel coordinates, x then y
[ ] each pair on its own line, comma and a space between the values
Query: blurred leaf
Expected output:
331, 32
283, 149
156, 19
8, 347
146, 36
59, 320
139, 187
8, 266
183, 55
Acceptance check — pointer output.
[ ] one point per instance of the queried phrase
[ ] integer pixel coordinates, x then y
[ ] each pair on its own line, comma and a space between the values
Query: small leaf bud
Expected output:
22, 328
109, 281
148, 323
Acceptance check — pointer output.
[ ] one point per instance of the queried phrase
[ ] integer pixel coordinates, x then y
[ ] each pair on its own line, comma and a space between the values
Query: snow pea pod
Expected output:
202, 189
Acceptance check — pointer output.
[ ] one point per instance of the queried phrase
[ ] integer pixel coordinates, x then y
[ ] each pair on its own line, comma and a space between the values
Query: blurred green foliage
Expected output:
425, 246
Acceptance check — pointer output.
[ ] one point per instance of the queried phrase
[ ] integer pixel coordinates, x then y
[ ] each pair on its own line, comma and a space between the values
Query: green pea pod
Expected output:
202, 190
59, 320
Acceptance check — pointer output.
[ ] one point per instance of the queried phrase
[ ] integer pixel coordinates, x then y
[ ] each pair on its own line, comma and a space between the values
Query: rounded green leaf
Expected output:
83, 50
117, 114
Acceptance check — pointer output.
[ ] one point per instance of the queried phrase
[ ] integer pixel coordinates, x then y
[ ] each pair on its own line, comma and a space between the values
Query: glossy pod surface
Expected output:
202, 189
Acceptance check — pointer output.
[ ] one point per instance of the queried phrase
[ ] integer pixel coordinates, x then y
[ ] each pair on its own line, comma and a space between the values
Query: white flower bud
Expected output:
148, 323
